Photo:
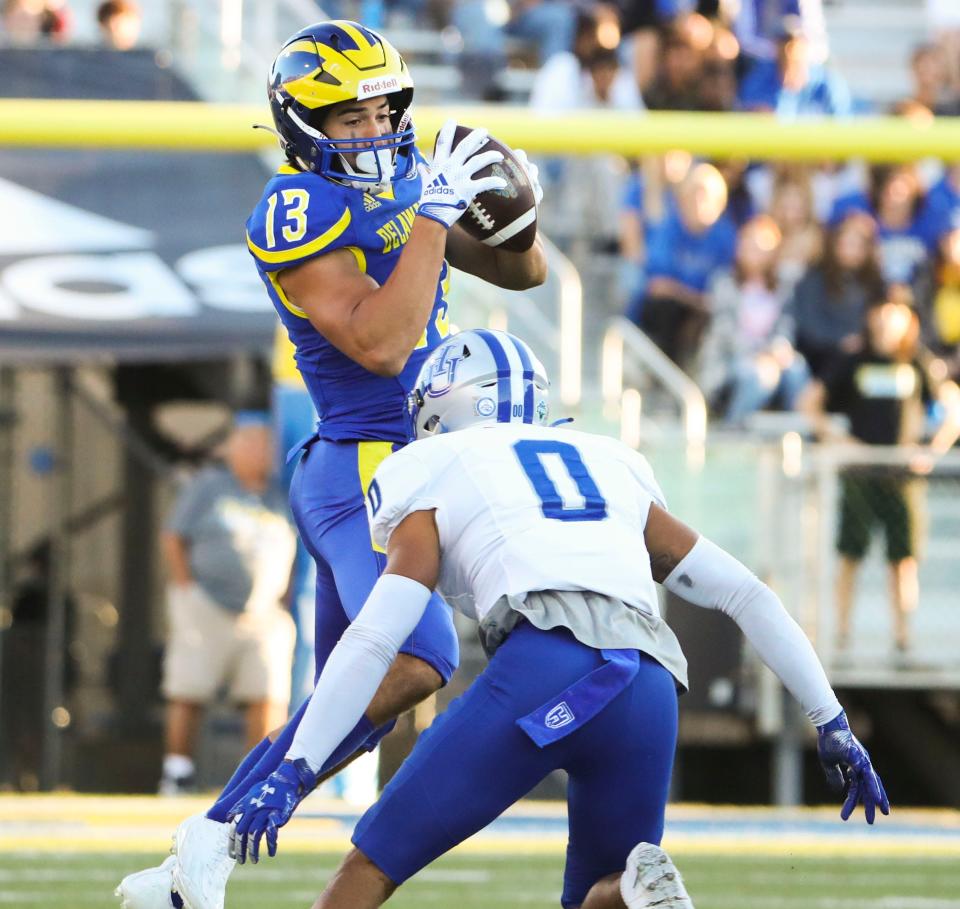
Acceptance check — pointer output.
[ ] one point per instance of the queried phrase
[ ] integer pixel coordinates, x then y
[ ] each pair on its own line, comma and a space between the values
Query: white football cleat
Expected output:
149, 889
652, 880
203, 863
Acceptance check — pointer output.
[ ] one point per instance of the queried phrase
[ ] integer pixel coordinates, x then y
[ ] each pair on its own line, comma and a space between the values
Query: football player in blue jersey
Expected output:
354, 238
552, 540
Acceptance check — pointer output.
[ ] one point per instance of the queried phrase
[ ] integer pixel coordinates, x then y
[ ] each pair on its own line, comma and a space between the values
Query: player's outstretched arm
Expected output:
701, 573
350, 678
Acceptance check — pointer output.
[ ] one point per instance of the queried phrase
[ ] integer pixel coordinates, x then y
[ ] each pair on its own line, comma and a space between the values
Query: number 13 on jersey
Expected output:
295, 202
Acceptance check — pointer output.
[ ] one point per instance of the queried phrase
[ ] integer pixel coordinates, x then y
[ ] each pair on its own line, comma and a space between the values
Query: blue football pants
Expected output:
326, 497
474, 762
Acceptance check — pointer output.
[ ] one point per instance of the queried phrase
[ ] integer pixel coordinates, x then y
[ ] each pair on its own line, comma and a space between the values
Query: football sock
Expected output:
274, 755
265, 762
240, 774
177, 766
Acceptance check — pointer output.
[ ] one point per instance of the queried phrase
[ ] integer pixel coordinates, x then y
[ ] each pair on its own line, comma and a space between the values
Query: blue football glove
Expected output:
847, 766
267, 807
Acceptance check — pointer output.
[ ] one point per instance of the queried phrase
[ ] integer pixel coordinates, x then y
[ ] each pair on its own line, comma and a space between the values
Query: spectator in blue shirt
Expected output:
760, 24
908, 226
546, 25
694, 240
943, 202
632, 242
793, 86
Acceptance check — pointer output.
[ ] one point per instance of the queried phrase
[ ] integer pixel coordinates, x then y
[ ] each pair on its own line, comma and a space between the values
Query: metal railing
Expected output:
550, 317
624, 403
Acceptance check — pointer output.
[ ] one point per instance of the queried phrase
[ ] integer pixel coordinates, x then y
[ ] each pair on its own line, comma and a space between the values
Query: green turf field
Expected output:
32, 879
62, 851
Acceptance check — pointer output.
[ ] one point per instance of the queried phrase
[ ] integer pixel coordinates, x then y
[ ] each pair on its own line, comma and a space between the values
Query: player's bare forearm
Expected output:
377, 326
509, 270
668, 542
520, 271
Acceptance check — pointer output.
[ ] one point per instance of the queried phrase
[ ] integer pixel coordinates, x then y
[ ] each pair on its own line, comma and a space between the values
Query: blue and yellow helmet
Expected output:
326, 64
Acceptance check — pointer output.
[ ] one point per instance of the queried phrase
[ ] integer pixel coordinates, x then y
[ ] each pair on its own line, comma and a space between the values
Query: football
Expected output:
505, 218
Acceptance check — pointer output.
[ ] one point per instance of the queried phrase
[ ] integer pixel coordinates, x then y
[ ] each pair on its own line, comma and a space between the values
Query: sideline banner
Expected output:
125, 255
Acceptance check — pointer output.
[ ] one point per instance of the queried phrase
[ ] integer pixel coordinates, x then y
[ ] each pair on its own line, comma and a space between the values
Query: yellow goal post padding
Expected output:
200, 126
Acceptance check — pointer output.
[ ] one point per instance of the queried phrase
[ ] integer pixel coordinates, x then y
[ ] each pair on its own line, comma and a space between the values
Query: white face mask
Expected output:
367, 166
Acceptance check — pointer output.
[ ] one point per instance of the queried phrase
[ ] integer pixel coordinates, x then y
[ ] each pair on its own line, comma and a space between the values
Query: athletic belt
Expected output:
583, 700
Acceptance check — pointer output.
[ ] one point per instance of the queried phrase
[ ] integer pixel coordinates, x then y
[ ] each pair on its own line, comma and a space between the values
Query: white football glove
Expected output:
448, 183
533, 172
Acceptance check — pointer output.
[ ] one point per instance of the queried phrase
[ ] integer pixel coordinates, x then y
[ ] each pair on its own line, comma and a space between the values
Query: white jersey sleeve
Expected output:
643, 473
401, 485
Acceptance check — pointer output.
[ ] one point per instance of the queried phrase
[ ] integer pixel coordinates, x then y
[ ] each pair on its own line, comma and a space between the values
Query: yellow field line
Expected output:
147, 810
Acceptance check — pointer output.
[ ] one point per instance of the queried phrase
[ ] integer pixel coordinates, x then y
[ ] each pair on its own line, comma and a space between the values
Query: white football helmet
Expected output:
478, 376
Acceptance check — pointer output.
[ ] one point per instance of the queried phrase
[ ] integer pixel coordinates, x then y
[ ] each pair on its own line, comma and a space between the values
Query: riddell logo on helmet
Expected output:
370, 88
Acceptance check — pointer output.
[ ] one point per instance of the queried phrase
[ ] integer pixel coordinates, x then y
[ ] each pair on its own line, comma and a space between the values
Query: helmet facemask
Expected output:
377, 162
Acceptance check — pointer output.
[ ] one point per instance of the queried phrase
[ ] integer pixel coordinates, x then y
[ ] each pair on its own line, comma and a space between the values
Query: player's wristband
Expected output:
436, 218
442, 212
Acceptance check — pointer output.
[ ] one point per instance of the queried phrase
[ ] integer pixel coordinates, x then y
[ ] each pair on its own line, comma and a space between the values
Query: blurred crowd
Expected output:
38, 22
756, 277
753, 276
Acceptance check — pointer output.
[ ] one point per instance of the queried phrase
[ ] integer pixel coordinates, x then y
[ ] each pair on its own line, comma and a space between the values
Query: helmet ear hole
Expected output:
432, 424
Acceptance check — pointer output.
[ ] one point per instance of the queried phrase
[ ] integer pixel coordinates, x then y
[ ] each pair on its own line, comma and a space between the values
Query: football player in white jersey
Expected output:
552, 540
